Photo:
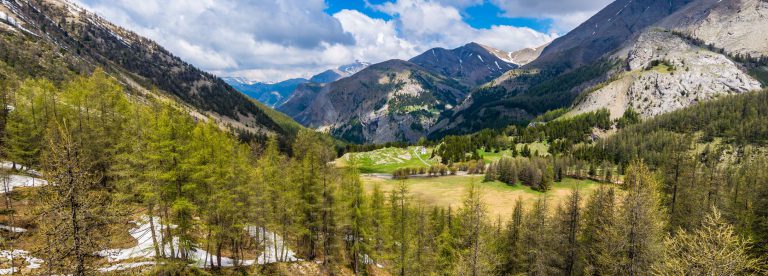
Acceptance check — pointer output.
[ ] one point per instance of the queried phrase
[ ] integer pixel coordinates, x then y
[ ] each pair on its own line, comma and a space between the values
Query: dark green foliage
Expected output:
576, 129
630, 117
535, 93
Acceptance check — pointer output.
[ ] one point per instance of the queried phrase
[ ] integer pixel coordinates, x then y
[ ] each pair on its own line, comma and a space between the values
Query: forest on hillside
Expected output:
112, 158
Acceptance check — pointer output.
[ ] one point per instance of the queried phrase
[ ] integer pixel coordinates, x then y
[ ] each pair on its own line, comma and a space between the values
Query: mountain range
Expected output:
653, 56
396, 100
276, 94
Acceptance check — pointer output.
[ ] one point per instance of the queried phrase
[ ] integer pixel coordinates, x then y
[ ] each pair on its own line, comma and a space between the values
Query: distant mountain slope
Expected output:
397, 100
390, 101
653, 55
270, 94
472, 64
343, 71
84, 41
276, 94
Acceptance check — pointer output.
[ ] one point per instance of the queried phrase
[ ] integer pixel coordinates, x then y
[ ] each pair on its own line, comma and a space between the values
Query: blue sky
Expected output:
482, 15
272, 40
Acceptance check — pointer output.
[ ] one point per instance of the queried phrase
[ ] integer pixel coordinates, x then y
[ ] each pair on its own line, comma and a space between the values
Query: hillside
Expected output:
53, 38
472, 64
654, 56
438, 81
390, 101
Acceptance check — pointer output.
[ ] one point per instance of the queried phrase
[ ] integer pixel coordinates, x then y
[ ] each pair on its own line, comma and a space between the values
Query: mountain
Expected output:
55, 39
655, 56
397, 100
472, 64
276, 94
344, 71
391, 101
270, 94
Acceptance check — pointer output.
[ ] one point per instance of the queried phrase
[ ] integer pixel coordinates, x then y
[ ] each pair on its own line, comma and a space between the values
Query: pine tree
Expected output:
473, 215
537, 239
379, 223
357, 229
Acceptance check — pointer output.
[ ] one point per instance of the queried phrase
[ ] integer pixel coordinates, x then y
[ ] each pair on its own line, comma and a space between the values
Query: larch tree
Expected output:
641, 221
600, 235
713, 249
78, 211
568, 224
511, 248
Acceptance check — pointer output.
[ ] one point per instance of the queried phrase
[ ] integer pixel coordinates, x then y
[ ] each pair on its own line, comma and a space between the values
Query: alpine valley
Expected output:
652, 56
630, 139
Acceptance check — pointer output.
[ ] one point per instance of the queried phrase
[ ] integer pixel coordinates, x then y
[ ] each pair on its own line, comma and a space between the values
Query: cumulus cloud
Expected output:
566, 14
436, 25
271, 40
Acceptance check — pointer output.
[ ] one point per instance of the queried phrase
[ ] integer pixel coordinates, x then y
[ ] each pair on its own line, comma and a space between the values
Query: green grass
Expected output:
489, 157
387, 160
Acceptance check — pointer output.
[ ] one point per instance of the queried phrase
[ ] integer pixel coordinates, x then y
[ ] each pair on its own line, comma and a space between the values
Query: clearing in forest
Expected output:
387, 160
498, 197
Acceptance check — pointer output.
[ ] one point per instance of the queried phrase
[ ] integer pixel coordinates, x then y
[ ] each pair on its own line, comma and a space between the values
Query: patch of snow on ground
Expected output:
9, 166
14, 181
12, 229
273, 245
32, 262
145, 248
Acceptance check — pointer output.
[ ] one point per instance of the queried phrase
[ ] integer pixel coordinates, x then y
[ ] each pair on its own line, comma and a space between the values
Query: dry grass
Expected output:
499, 198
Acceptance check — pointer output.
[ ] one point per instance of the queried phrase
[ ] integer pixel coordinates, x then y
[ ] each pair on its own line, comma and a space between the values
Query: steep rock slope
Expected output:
472, 64
390, 101
83, 41
653, 55
606, 32
701, 52
666, 73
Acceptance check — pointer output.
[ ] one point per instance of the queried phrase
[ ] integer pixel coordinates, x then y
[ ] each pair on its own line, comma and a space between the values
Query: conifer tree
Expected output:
78, 211
567, 229
537, 239
714, 249
641, 221
511, 249
600, 235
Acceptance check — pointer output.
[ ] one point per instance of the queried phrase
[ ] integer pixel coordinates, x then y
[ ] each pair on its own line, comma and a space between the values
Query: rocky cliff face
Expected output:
665, 73
391, 101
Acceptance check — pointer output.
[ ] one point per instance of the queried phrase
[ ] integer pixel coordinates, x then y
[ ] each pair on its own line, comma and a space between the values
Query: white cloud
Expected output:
432, 24
270, 40
566, 14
